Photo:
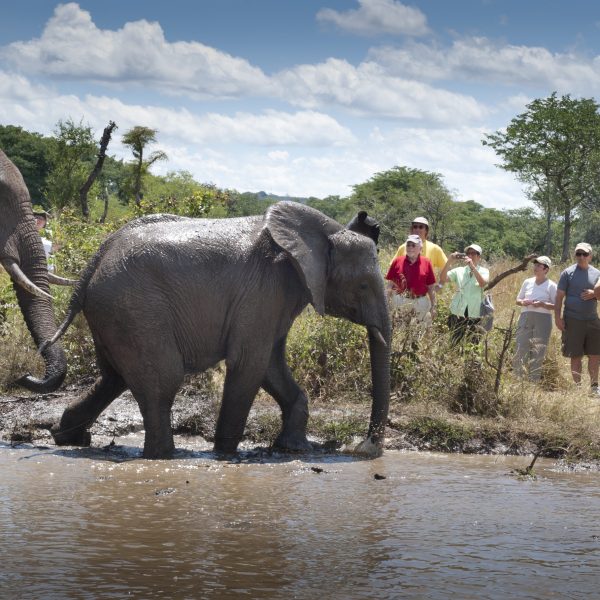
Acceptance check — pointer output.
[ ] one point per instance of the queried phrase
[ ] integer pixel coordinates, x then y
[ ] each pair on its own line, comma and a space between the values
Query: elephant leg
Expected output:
155, 396
240, 389
292, 399
80, 415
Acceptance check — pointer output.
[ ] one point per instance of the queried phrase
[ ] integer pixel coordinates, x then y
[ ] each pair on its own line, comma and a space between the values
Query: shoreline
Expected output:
26, 419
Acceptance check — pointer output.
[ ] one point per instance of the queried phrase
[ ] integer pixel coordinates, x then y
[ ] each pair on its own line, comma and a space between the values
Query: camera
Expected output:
460, 255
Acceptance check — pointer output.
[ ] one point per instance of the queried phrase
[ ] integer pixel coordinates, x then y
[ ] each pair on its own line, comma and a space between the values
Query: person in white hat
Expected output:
465, 306
420, 227
578, 290
411, 282
537, 297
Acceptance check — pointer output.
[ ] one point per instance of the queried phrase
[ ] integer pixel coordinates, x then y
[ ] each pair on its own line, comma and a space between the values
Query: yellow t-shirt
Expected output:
429, 250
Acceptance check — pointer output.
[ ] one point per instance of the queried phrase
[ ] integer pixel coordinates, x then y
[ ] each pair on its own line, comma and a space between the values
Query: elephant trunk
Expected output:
39, 315
380, 339
380, 377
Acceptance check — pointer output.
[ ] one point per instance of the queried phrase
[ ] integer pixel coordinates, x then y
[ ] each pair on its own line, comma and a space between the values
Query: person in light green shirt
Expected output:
470, 279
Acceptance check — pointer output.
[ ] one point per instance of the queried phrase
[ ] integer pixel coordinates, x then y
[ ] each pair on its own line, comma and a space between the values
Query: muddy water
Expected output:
85, 524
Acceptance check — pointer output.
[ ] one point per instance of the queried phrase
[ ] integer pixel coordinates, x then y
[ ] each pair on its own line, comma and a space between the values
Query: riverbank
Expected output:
333, 426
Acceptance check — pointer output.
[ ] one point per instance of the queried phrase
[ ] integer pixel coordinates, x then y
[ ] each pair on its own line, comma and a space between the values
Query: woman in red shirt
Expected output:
411, 286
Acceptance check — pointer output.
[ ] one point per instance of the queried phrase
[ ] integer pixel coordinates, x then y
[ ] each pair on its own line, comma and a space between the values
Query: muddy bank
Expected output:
28, 418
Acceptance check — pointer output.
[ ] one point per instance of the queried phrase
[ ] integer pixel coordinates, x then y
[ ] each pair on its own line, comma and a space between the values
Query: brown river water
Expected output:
82, 523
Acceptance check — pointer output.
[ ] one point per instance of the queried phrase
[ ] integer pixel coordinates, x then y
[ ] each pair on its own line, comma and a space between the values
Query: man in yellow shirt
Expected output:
432, 251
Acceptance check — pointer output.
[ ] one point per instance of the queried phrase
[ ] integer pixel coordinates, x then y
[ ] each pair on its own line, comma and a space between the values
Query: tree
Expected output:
71, 156
85, 188
396, 196
30, 152
137, 139
554, 146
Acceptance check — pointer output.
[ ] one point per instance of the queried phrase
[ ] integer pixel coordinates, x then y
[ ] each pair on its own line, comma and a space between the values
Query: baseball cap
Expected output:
475, 247
583, 246
415, 239
421, 220
543, 260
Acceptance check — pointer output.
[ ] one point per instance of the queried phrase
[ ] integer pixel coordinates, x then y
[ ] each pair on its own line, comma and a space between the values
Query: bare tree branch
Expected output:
505, 274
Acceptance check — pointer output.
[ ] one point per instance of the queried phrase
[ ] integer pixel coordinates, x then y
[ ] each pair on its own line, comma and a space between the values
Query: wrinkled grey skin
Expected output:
22, 253
167, 295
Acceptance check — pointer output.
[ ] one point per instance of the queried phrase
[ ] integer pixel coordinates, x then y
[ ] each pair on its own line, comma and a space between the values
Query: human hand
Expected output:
560, 323
588, 295
537, 303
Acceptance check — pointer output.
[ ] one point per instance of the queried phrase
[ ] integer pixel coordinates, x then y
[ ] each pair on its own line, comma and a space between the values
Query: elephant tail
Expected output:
76, 302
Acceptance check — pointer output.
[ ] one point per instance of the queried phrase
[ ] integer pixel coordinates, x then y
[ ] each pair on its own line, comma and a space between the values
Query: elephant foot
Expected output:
369, 448
226, 446
156, 453
293, 443
71, 437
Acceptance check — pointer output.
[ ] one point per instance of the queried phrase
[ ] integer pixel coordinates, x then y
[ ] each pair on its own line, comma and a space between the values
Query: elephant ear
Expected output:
365, 225
303, 232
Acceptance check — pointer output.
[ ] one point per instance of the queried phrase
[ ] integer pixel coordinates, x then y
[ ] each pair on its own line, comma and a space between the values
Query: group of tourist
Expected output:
412, 287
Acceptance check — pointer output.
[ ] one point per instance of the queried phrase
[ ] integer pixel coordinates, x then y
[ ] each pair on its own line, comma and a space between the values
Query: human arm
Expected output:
560, 322
521, 300
444, 272
597, 290
481, 282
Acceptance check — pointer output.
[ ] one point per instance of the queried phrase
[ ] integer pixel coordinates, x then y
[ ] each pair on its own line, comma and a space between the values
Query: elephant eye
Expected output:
363, 286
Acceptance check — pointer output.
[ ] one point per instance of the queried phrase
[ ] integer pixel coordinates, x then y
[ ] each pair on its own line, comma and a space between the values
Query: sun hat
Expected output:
415, 239
543, 260
583, 246
475, 247
422, 220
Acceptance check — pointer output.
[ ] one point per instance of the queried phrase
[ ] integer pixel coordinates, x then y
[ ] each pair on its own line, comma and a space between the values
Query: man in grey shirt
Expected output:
579, 287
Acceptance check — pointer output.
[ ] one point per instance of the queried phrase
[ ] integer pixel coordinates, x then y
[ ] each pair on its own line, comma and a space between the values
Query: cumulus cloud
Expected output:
71, 46
37, 107
374, 17
480, 59
370, 89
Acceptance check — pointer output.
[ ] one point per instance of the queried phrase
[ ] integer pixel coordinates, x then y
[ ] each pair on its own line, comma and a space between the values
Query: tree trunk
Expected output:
85, 188
567, 233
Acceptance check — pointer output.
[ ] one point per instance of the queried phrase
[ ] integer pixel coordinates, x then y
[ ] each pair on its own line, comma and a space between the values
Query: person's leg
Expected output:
542, 326
593, 362
592, 349
576, 368
522, 348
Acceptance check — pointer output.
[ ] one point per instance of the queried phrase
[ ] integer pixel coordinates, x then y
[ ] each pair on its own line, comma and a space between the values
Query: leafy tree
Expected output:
396, 196
137, 139
72, 157
555, 147
30, 152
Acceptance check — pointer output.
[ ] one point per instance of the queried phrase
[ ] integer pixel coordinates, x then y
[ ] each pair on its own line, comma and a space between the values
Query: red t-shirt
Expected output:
414, 277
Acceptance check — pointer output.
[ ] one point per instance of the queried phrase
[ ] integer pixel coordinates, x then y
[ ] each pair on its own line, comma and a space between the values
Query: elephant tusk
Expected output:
378, 336
56, 280
22, 280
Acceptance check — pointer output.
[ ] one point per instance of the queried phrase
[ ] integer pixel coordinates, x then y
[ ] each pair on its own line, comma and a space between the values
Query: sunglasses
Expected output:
580, 253
472, 253
535, 262
418, 226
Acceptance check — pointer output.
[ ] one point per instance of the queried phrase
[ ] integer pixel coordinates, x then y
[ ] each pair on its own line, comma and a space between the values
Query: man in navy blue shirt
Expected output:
578, 288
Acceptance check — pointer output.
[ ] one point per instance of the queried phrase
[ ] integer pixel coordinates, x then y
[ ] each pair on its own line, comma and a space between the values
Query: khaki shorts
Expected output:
581, 338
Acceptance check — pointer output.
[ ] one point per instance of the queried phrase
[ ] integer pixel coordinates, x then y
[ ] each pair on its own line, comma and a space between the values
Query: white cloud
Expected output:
375, 17
71, 46
479, 59
369, 90
38, 108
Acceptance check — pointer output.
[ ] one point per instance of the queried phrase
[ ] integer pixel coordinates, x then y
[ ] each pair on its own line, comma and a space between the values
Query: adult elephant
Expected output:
167, 295
23, 257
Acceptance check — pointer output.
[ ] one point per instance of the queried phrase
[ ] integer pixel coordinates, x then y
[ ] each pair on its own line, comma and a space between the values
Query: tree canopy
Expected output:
554, 146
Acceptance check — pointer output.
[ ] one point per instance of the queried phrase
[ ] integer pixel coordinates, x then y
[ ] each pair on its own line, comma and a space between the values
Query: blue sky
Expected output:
301, 97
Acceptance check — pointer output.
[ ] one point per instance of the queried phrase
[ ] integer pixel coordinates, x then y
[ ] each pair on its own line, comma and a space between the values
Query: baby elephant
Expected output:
167, 295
